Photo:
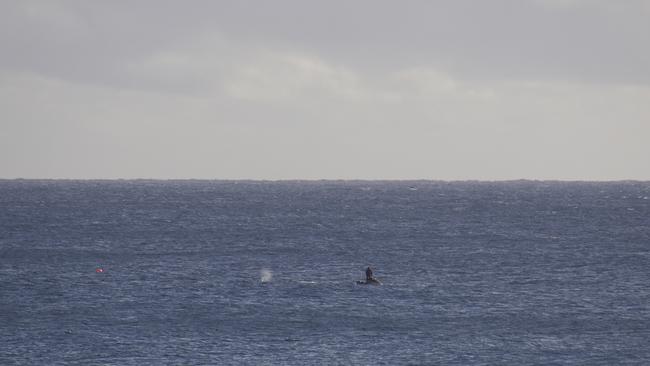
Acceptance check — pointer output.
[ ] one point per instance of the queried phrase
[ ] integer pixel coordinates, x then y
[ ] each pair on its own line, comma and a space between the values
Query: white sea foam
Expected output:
266, 275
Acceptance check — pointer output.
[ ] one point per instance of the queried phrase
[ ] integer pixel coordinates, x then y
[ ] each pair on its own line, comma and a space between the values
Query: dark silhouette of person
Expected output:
368, 274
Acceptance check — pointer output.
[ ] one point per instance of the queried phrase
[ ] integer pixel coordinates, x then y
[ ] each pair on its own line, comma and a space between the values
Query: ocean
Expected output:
264, 273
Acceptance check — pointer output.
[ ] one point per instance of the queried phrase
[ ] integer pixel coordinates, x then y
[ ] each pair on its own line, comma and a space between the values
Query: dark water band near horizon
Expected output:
264, 273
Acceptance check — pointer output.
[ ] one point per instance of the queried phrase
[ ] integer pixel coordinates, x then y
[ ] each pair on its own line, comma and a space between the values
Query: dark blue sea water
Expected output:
255, 273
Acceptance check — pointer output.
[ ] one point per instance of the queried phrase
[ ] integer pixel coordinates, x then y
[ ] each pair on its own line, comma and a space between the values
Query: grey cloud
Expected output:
589, 41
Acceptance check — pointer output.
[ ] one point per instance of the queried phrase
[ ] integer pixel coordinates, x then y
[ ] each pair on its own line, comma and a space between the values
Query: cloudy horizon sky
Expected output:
449, 90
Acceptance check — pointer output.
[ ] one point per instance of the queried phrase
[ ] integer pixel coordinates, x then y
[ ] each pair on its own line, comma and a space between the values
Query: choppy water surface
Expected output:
217, 273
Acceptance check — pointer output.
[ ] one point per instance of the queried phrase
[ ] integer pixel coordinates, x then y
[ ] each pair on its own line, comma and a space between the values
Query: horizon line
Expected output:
288, 180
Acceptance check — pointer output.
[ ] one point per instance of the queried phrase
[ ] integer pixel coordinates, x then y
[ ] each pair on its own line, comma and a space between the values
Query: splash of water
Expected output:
266, 275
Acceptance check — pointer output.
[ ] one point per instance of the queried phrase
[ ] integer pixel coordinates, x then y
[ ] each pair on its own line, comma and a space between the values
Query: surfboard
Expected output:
371, 281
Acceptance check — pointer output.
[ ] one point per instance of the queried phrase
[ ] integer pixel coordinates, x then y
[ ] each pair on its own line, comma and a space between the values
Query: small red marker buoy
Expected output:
99, 270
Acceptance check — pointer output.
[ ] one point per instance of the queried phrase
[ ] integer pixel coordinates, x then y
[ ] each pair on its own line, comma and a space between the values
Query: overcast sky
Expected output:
454, 89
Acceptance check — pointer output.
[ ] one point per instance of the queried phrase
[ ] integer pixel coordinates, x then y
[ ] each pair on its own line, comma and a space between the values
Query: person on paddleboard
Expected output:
368, 274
